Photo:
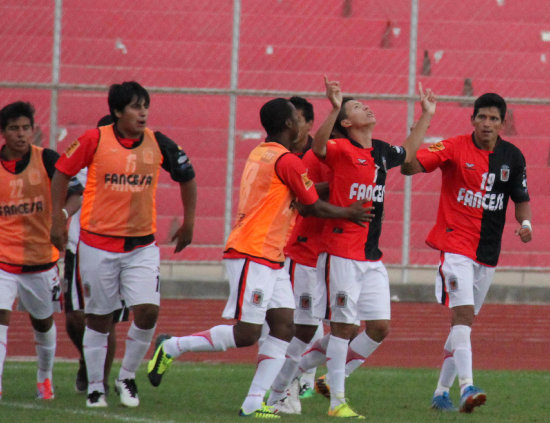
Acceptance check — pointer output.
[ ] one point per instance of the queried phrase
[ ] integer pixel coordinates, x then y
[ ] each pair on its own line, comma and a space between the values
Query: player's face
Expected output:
18, 136
487, 124
133, 119
359, 114
303, 131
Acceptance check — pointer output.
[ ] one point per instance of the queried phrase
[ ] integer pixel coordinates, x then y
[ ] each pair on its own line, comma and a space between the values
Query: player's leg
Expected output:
39, 295
139, 286
307, 379
441, 399
345, 290
74, 314
457, 274
100, 271
8, 288
303, 279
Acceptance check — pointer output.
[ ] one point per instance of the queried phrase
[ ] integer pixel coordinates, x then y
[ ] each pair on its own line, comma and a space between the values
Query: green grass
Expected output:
192, 392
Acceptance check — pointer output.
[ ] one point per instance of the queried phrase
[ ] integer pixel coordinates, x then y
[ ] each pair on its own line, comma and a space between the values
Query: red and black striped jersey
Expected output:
476, 186
358, 173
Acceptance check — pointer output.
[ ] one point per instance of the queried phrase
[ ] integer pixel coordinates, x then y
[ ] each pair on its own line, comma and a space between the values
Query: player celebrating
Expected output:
479, 173
260, 289
357, 281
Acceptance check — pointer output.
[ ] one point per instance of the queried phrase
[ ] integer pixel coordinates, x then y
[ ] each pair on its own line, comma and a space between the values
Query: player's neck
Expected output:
362, 135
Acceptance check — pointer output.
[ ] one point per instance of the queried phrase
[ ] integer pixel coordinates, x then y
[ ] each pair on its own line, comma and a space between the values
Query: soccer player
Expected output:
260, 289
301, 253
73, 294
27, 257
479, 173
117, 248
357, 281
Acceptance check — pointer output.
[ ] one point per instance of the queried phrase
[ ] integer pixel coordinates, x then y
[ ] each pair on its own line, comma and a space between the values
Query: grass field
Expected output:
194, 392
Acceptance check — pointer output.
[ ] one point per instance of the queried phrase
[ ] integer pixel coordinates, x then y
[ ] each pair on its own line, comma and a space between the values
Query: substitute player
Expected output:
28, 260
479, 173
260, 289
73, 294
117, 248
357, 281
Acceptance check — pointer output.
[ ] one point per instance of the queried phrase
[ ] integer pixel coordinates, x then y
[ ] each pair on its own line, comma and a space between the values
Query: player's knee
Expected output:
246, 334
378, 330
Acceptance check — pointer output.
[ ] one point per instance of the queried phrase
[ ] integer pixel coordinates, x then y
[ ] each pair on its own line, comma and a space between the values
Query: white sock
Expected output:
94, 345
3, 349
218, 338
288, 371
45, 352
359, 350
462, 352
137, 344
271, 357
337, 350
447, 374
314, 356
308, 377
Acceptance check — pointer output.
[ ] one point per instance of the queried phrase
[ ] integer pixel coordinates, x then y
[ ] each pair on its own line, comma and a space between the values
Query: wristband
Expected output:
526, 224
66, 213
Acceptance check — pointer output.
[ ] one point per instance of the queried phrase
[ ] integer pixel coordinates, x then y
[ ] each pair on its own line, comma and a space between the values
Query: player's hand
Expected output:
525, 233
333, 93
427, 100
359, 214
58, 233
183, 237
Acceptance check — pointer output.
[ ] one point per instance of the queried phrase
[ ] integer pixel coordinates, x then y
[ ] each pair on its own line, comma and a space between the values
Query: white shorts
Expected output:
309, 294
255, 288
73, 292
357, 290
461, 281
39, 293
107, 276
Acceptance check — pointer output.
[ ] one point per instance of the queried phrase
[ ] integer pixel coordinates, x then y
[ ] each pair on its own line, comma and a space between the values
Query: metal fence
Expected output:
211, 65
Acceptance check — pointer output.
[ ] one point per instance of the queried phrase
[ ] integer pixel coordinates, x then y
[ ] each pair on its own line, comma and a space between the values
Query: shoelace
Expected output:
130, 385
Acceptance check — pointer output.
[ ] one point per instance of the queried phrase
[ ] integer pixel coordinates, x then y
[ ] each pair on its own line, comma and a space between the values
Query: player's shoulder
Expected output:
510, 149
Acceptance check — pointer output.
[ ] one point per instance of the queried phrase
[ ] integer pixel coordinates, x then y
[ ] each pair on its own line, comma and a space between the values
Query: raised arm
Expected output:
413, 142
334, 94
184, 234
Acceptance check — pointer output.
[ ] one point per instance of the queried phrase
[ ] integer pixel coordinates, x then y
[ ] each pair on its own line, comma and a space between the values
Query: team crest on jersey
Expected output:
438, 146
72, 148
341, 299
148, 156
504, 173
453, 284
257, 297
307, 182
305, 302
87, 290
34, 177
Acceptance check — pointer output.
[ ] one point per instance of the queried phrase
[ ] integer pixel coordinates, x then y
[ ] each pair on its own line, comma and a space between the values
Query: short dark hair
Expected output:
305, 106
14, 110
120, 95
274, 114
105, 120
338, 128
490, 100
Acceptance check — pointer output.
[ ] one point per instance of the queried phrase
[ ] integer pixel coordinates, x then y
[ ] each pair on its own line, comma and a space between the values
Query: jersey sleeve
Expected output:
435, 155
519, 192
395, 155
49, 157
79, 154
293, 173
175, 161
